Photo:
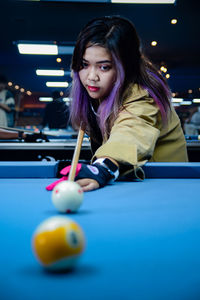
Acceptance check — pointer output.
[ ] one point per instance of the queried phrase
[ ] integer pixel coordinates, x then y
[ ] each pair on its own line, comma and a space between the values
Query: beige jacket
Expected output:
138, 134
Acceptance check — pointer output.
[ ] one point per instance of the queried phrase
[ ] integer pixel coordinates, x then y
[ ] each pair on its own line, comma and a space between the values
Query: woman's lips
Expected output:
93, 88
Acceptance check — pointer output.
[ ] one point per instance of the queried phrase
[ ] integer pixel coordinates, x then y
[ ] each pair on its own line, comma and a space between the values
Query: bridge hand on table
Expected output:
89, 177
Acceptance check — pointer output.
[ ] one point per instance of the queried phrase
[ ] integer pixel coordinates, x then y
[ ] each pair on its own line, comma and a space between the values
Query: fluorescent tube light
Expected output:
67, 99
43, 48
50, 72
177, 100
196, 101
38, 49
186, 103
57, 84
96, 1
145, 1
50, 99
45, 99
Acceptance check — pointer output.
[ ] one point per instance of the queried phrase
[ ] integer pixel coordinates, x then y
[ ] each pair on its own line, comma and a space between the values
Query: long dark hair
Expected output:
118, 35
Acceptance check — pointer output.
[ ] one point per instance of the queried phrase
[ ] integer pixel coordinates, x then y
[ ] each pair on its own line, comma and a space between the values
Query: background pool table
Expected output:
142, 238
60, 144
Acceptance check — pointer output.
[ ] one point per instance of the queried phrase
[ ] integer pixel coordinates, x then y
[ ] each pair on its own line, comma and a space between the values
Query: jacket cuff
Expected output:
123, 158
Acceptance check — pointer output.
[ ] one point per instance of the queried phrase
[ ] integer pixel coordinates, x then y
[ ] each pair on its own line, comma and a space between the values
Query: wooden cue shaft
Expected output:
76, 155
24, 130
16, 129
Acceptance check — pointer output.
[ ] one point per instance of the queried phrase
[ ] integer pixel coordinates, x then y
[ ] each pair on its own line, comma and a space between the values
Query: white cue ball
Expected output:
67, 196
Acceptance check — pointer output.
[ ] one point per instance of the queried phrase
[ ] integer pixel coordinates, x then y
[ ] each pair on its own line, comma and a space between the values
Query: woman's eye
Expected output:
84, 65
105, 68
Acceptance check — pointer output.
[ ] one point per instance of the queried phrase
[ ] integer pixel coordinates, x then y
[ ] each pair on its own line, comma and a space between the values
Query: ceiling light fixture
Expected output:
38, 49
67, 99
45, 99
186, 103
57, 84
177, 100
173, 21
40, 72
154, 43
43, 48
145, 1
116, 1
196, 100
163, 69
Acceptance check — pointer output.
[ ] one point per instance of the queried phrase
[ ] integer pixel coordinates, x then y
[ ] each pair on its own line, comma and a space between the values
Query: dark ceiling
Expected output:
178, 45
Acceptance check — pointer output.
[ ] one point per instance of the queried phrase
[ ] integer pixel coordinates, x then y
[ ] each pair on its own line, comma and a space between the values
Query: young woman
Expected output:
123, 103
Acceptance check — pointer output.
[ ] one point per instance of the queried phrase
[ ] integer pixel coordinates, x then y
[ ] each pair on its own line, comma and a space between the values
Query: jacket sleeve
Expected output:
134, 134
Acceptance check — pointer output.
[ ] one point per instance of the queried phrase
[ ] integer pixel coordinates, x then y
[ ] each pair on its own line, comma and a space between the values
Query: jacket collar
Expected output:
134, 92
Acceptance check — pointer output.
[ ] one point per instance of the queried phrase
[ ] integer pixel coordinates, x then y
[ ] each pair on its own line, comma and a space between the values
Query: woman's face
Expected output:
98, 73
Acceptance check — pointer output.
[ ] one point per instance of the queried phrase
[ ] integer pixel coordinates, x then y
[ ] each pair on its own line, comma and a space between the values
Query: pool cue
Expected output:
16, 129
26, 130
76, 155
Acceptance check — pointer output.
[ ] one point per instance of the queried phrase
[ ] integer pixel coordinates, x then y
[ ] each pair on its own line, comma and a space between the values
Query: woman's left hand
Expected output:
89, 177
88, 184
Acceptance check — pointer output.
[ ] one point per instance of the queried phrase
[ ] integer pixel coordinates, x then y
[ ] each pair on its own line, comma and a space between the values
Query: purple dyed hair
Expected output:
79, 105
163, 106
112, 103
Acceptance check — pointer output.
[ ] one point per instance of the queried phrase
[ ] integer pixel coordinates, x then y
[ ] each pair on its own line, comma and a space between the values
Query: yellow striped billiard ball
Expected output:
57, 243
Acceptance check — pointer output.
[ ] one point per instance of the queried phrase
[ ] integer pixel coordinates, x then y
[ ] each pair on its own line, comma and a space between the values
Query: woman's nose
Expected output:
92, 74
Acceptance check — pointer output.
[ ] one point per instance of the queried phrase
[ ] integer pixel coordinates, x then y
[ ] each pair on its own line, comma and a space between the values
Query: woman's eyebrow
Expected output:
104, 61
100, 62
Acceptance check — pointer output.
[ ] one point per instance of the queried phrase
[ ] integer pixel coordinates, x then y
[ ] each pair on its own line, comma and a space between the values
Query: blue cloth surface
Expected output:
142, 242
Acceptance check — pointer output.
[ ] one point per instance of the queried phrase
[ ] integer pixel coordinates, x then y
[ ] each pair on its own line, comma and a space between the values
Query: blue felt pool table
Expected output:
142, 238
